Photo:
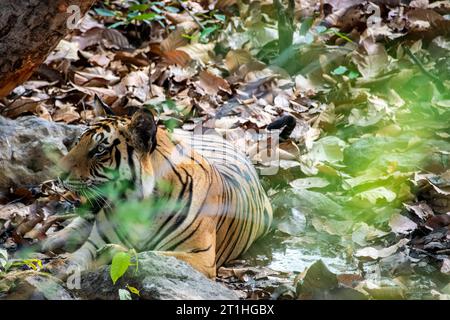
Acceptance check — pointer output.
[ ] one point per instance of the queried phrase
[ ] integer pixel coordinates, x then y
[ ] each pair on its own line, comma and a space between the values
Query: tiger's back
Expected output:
246, 213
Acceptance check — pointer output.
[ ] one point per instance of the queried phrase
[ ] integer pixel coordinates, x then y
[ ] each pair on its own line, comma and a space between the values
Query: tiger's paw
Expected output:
53, 244
63, 266
107, 252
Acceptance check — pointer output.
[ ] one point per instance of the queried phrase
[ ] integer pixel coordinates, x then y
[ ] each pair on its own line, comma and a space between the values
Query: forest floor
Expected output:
361, 189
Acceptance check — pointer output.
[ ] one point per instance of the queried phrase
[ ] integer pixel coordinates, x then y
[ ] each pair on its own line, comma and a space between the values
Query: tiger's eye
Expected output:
100, 149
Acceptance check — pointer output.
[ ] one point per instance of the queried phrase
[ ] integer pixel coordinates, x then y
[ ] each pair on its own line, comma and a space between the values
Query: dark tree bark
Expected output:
29, 31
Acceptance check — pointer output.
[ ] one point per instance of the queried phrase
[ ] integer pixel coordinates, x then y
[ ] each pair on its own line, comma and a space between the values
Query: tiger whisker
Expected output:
98, 193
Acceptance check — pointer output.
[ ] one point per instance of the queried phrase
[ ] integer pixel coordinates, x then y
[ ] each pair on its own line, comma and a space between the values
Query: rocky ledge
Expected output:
158, 277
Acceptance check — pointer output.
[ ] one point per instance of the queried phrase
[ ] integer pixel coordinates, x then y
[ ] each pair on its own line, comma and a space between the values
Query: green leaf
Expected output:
124, 294
34, 264
328, 149
309, 38
138, 7
189, 37
133, 290
172, 9
105, 12
310, 182
206, 32
343, 36
146, 16
339, 70
117, 24
157, 10
316, 203
220, 17
306, 25
120, 263
321, 29
169, 103
375, 194
353, 74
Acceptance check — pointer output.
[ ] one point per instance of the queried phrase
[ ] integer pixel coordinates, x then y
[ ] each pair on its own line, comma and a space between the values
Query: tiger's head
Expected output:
109, 151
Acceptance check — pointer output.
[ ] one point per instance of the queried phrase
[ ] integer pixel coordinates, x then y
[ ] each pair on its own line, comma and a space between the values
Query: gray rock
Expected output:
29, 148
32, 285
158, 277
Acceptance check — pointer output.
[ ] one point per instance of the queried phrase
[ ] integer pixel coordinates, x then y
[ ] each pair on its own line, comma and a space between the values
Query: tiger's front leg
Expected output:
70, 238
79, 260
198, 260
199, 251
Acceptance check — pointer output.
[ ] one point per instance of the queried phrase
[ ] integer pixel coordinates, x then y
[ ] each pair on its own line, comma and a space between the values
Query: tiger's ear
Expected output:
101, 108
142, 129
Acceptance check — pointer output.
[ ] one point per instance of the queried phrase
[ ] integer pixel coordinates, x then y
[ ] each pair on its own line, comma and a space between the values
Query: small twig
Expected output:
62, 195
419, 63
192, 15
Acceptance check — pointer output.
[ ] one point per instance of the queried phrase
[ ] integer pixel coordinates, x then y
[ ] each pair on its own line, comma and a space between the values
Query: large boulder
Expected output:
29, 148
158, 277
32, 285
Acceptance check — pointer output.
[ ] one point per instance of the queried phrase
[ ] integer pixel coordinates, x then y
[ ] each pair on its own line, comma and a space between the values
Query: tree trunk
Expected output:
29, 31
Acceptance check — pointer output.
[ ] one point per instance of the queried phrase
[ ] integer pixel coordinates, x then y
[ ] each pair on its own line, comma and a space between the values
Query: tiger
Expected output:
222, 207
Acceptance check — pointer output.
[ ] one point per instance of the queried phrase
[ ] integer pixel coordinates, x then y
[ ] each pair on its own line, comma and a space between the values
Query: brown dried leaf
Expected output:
373, 253
65, 50
21, 106
91, 37
438, 221
373, 61
99, 60
211, 84
401, 224
95, 77
198, 51
177, 57
139, 60
174, 40
66, 113
135, 84
14, 209
87, 23
224, 4
421, 210
117, 39
106, 94
43, 112
236, 58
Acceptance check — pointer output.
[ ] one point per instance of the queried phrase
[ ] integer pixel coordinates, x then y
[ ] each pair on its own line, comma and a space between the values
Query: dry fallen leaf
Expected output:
236, 58
64, 50
177, 57
198, 51
108, 95
401, 224
66, 113
373, 253
135, 84
212, 84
